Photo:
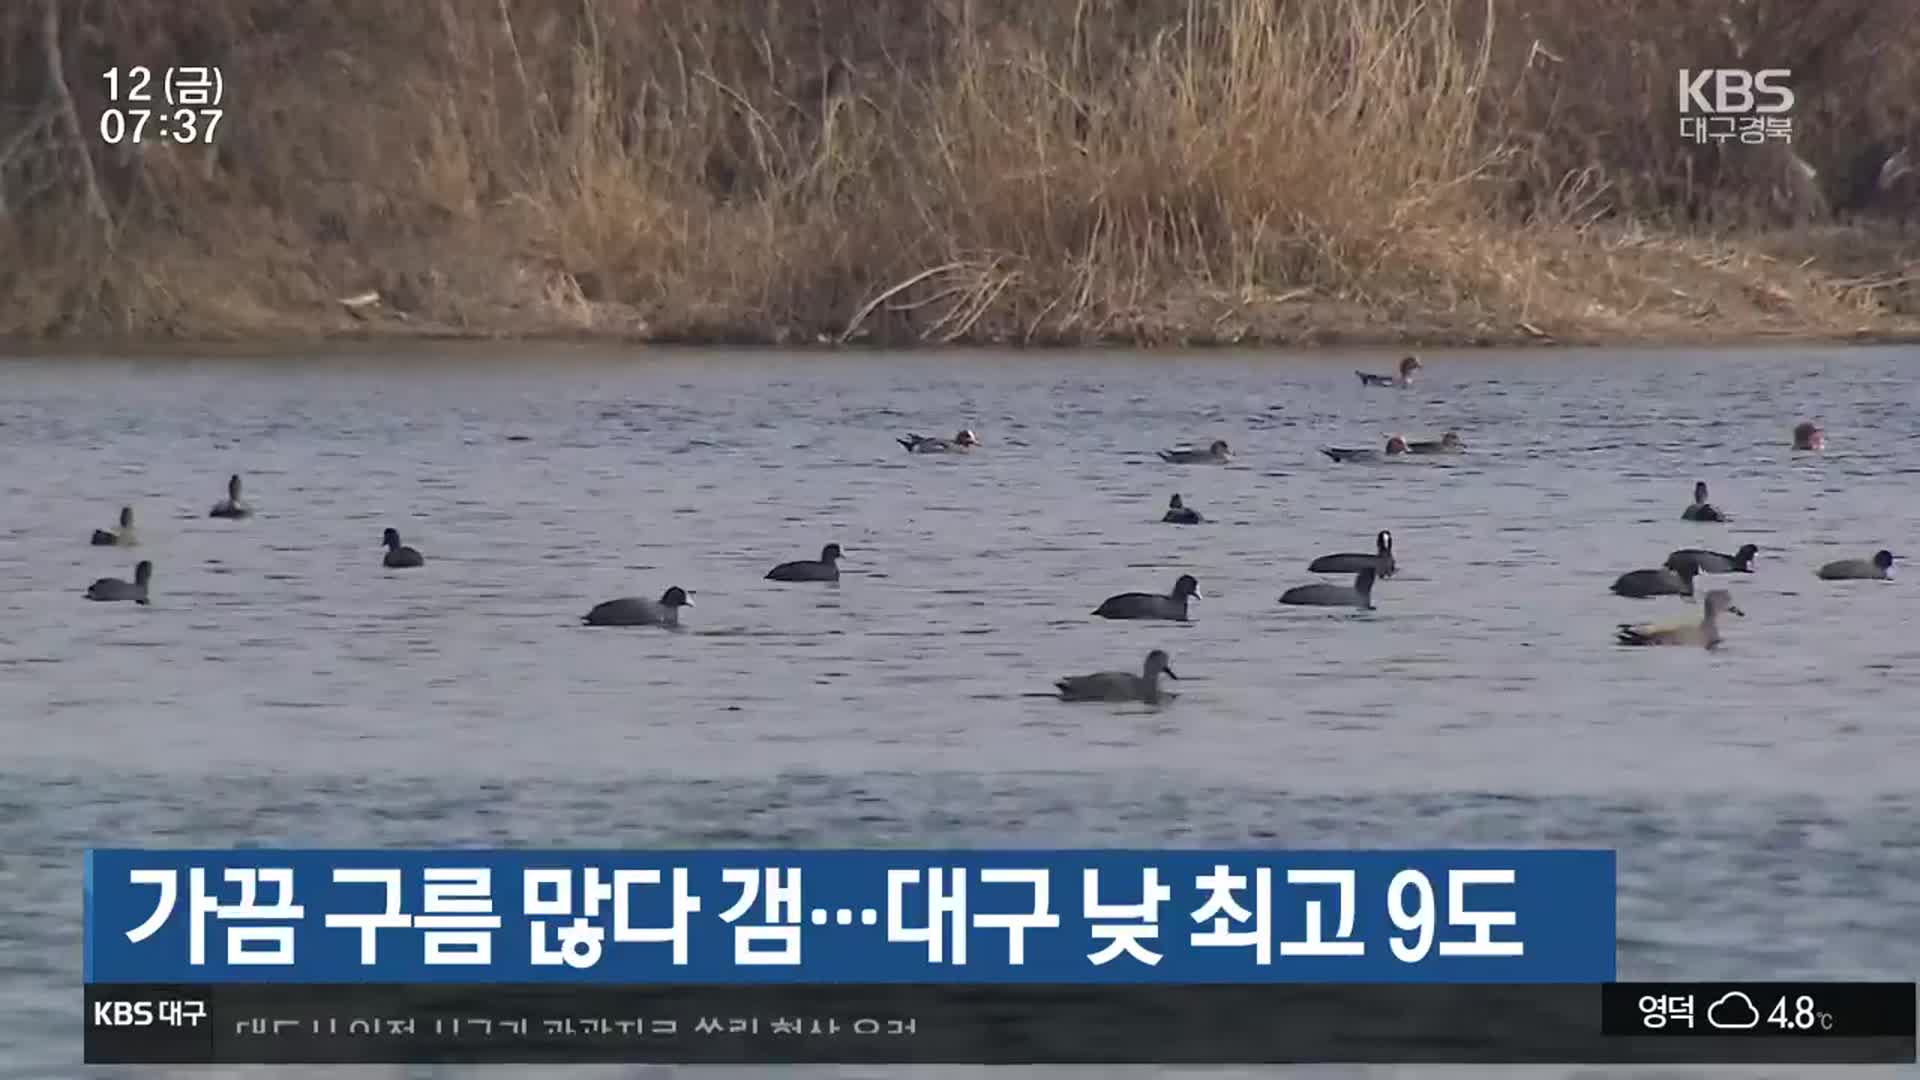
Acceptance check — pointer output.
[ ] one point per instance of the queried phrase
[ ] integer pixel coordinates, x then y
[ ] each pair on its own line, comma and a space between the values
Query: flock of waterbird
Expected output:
1673, 578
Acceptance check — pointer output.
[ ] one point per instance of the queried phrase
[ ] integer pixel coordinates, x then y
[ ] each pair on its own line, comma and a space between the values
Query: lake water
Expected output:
284, 689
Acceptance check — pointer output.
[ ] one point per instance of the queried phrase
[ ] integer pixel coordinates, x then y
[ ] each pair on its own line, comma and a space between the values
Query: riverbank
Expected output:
1129, 172
1837, 285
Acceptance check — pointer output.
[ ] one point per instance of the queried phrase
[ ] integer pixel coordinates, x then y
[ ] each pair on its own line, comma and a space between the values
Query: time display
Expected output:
170, 125
190, 98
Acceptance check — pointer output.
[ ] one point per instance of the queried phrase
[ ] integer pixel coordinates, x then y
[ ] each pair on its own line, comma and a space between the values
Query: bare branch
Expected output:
57, 82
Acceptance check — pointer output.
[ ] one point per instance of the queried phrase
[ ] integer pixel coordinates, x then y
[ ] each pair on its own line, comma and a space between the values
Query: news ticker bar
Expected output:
1018, 1024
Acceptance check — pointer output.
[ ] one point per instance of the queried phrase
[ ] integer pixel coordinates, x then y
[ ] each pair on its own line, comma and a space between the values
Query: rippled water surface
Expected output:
284, 688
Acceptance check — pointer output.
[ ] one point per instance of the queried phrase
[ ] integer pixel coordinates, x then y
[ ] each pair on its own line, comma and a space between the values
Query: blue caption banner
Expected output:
837, 916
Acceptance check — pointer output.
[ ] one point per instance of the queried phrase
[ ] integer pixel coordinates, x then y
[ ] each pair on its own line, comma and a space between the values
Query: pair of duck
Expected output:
1675, 576
1216, 453
124, 536
1448, 443
1366, 569
1219, 453
639, 611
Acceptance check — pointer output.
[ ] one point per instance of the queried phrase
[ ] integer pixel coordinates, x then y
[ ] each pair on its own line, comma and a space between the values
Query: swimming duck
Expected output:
1121, 685
826, 569
1352, 562
1140, 605
1713, 562
1446, 444
1408, 365
962, 442
231, 506
1880, 567
1808, 436
1179, 513
1358, 595
1395, 445
1705, 633
1665, 581
636, 611
1219, 453
1701, 510
121, 537
112, 588
399, 556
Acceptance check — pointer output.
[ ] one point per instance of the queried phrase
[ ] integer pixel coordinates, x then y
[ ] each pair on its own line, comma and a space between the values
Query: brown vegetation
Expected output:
1148, 171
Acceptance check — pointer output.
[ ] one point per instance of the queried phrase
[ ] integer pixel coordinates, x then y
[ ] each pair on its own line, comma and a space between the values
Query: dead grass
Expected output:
1148, 171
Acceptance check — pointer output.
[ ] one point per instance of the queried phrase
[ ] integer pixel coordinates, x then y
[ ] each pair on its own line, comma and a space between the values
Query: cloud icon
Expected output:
1734, 1011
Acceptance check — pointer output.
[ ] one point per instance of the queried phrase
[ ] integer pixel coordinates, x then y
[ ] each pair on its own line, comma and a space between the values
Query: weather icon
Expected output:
1734, 1011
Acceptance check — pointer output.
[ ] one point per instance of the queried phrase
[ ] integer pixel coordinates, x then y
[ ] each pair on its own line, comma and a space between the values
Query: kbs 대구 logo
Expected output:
1727, 104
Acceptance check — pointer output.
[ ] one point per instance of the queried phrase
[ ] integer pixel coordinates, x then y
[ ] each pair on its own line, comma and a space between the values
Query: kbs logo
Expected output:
122, 1013
148, 1013
1735, 91
1724, 105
